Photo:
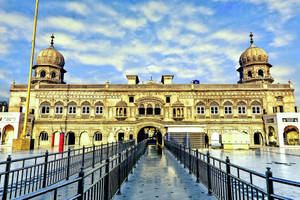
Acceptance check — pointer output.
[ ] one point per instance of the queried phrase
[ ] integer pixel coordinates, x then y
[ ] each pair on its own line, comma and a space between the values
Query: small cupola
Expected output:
49, 66
254, 65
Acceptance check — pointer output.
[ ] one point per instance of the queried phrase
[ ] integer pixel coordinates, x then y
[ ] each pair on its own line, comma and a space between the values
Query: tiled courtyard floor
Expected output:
159, 176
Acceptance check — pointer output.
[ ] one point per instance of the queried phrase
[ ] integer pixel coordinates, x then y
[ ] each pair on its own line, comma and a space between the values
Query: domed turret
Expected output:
49, 65
254, 66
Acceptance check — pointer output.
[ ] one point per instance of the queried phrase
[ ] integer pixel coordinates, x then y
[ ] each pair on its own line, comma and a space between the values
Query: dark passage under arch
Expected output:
150, 132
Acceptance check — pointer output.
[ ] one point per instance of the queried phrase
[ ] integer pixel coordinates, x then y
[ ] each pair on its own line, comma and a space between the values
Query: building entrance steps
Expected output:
160, 176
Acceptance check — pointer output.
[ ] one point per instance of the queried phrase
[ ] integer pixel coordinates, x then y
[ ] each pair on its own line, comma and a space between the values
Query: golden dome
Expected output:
253, 55
50, 56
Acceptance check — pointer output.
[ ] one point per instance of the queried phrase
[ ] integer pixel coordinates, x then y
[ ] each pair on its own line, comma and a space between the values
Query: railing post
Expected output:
83, 152
228, 178
134, 155
126, 167
80, 187
208, 173
106, 180
184, 156
119, 171
68, 163
269, 182
101, 153
180, 152
45, 169
190, 161
107, 150
6, 179
197, 166
94, 151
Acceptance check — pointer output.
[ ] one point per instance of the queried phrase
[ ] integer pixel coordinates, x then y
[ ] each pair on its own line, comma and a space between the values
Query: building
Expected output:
95, 113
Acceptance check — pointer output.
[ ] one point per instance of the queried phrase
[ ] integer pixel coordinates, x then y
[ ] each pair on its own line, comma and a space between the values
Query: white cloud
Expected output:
154, 11
282, 73
103, 9
229, 36
109, 30
191, 10
66, 23
132, 23
77, 7
282, 39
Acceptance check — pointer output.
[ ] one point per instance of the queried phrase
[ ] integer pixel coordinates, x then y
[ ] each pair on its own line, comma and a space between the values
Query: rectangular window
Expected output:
85, 109
256, 109
200, 110
214, 110
228, 110
242, 109
72, 109
168, 99
99, 110
45, 109
281, 109
131, 99
58, 110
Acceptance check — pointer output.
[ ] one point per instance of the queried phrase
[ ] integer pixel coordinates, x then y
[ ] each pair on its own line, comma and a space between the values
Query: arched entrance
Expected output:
272, 136
291, 135
150, 132
258, 138
7, 134
71, 138
121, 136
43, 138
84, 139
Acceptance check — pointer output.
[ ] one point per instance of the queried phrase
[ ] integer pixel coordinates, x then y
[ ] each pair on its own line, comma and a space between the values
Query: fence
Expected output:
226, 180
101, 182
22, 176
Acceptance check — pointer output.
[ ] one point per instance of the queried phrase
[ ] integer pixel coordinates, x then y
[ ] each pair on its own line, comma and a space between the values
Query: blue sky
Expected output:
195, 39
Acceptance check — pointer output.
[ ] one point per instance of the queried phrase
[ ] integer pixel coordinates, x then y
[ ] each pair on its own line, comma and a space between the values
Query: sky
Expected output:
109, 39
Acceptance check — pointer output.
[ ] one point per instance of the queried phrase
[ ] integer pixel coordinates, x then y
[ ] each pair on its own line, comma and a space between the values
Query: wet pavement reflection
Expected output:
159, 176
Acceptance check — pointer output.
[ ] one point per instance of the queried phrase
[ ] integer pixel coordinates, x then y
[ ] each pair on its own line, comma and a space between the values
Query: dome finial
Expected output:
251, 38
52, 38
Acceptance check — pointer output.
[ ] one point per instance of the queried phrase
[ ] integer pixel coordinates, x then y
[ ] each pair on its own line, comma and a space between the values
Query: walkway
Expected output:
161, 177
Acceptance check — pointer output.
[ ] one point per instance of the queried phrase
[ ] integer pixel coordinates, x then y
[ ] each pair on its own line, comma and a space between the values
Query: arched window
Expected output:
98, 136
72, 108
260, 73
85, 108
200, 108
157, 109
242, 107
45, 108
227, 108
256, 107
59, 108
149, 109
99, 108
249, 74
141, 109
53, 75
214, 108
44, 136
42, 74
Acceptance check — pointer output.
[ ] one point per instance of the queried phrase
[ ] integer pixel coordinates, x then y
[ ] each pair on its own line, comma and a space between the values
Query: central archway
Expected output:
150, 132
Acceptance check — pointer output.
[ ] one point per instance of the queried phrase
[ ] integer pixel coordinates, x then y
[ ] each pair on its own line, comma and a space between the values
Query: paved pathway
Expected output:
161, 177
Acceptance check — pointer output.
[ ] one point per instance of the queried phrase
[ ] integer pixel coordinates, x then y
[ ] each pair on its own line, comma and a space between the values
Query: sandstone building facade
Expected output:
95, 113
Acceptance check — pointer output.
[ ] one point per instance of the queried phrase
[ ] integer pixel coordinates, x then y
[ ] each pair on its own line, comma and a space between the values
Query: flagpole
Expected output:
30, 72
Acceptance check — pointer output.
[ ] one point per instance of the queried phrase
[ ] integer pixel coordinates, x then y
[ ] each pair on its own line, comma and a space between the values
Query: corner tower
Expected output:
49, 66
254, 66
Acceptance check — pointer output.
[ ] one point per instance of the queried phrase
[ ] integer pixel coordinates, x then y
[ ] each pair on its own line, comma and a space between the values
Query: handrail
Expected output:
218, 177
117, 168
25, 175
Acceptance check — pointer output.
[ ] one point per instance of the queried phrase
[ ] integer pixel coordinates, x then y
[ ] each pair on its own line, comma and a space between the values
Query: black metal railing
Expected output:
22, 176
226, 180
101, 182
